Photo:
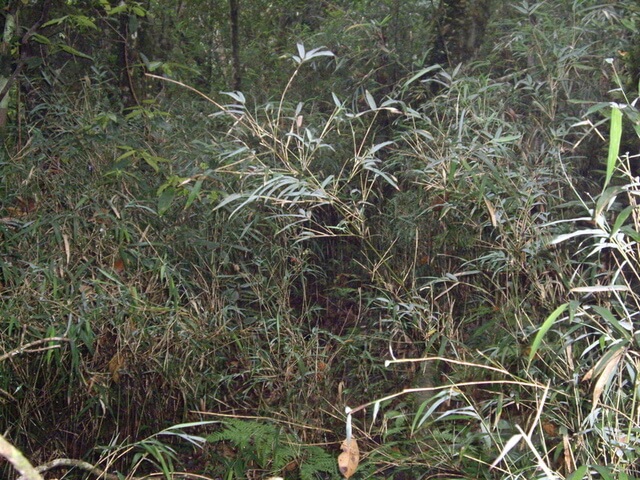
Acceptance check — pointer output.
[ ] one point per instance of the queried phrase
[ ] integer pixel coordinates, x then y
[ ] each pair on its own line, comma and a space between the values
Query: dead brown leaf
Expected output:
607, 373
119, 266
349, 458
116, 365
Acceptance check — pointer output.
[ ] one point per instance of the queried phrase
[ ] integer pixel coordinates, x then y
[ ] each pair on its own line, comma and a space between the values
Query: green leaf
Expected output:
9, 28
315, 460
578, 474
548, 323
153, 66
420, 74
78, 20
129, 152
597, 108
195, 191
621, 218
605, 201
41, 39
615, 135
51, 332
55, 21
370, 100
73, 51
304, 56
379, 146
612, 320
116, 10
336, 100
631, 232
153, 161
506, 139
434, 404
165, 199
84, 21
138, 11
604, 472
233, 197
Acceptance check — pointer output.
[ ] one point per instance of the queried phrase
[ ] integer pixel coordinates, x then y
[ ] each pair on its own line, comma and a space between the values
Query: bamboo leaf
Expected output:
593, 232
578, 474
420, 74
376, 409
165, 200
73, 51
318, 52
612, 320
512, 442
615, 135
608, 370
621, 218
336, 100
301, 51
195, 191
238, 97
379, 146
548, 323
370, 100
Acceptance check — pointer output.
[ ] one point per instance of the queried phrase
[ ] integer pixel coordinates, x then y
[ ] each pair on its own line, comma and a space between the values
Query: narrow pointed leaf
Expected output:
370, 100
615, 135
548, 323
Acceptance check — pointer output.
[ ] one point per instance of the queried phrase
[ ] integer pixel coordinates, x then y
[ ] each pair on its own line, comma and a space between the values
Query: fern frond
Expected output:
241, 433
315, 461
263, 443
272, 449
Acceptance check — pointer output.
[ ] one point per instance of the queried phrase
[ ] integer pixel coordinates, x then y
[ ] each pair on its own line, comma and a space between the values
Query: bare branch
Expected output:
28, 348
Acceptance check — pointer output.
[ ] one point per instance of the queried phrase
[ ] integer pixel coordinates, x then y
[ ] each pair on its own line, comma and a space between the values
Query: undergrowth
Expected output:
455, 261
268, 449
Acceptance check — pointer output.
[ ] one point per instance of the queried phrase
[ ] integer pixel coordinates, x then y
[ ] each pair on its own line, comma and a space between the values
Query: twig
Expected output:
69, 462
18, 460
7, 395
98, 472
28, 347
195, 90
444, 387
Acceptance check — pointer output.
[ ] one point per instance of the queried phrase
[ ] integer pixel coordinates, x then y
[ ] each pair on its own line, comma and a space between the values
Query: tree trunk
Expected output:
461, 26
127, 92
234, 8
5, 69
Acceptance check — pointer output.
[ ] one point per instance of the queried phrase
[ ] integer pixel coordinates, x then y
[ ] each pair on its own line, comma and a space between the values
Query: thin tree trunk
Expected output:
234, 7
127, 93
5, 69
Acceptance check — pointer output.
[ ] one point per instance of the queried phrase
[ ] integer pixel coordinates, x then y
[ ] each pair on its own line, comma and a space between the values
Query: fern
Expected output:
258, 442
316, 460
269, 448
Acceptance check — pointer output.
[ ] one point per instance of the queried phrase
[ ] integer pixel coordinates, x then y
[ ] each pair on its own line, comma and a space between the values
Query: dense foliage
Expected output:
423, 213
